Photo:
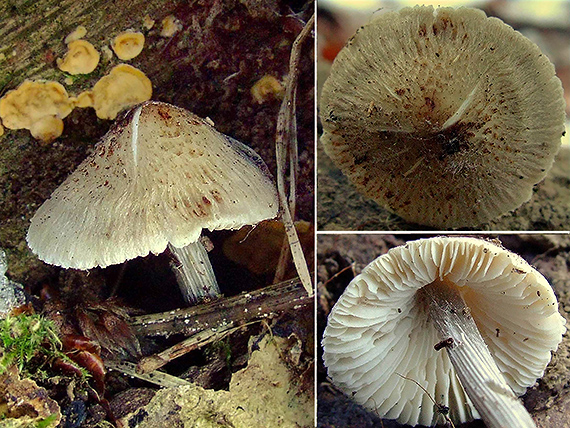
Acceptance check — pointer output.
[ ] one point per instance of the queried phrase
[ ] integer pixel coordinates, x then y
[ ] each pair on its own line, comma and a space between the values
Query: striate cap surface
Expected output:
159, 176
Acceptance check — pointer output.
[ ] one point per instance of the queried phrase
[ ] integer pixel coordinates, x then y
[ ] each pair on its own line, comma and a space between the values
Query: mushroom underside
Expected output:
377, 331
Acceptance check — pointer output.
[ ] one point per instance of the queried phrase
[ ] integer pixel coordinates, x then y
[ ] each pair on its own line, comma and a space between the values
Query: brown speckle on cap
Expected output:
144, 188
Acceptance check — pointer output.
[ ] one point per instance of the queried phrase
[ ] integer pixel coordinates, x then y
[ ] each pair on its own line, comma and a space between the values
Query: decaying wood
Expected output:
208, 67
32, 32
158, 378
156, 361
211, 322
267, 302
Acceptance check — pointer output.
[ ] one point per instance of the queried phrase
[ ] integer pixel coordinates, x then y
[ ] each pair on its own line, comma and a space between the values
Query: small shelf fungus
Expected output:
38, 107
83, 100
170, 26
81, 58
445, 117
471, 322
155, 180
267, 88
128, 45
79, 32
124, 87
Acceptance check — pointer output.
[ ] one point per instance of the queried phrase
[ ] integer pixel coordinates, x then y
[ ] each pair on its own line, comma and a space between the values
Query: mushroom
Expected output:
83, 100
148, 22
495, 315
81, 58
37, 106
128, 45
445, 117
124, 87
155, 180
47, 129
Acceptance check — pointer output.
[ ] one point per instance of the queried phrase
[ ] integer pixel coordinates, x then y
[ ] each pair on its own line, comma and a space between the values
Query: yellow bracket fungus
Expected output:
37, 106
266, 88
123, 87
47, 129
170, 26
128, 45
83, 100
81, 58
148, 22
76, 34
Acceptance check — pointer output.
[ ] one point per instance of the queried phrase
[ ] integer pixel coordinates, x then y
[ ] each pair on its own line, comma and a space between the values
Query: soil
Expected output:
341, 257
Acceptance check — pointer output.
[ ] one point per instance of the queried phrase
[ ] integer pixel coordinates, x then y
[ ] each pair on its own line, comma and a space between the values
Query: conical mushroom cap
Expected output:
160, 176
379, 328
447, 118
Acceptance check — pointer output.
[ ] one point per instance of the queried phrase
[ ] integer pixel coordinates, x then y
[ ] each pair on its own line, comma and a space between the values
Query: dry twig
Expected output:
212, 321
156, 361
158, 378
258, 304
286, 151
439, 408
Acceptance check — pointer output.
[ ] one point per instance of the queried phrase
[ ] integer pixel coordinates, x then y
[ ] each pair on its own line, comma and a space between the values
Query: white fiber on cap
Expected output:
445, 117
158, 177
379, 329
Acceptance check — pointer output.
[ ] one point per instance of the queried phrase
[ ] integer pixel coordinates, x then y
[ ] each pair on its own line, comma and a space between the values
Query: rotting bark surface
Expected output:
341, 207
547, 401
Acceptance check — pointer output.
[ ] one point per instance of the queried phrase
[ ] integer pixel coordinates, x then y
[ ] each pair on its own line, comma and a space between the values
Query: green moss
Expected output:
224, 348
5, 82
46, 422
82, 80
24, 337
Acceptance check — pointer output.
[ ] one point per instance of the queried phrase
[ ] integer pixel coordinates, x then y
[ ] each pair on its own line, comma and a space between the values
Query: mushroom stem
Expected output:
476, 368
194, 272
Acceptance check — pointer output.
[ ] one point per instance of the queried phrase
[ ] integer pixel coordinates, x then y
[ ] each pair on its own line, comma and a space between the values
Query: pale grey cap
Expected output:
379, 329
159, 176
445, 117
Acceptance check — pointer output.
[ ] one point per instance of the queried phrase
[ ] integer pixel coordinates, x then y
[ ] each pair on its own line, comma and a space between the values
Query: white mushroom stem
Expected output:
194, 272
476, 368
